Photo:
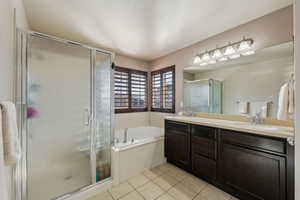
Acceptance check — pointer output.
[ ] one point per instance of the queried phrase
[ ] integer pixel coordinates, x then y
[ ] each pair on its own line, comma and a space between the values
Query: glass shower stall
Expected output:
203, 95
65, 115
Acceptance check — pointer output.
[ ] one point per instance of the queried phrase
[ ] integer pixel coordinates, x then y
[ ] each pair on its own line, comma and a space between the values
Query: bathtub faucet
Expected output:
125, 135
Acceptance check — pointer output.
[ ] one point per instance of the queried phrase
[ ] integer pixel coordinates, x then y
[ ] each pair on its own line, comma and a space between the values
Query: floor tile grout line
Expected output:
126, 193
110, 194
165, 191
206, 185
135, 188
149, 180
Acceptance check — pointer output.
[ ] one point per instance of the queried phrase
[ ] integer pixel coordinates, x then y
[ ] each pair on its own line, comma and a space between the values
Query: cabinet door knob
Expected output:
291, 141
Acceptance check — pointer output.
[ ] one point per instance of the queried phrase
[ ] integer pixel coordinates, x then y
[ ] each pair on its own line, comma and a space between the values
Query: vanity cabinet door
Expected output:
177, 143
252, 174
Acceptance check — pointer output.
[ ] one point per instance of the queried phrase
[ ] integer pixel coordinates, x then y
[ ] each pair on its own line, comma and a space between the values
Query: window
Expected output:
130, 90
163, 90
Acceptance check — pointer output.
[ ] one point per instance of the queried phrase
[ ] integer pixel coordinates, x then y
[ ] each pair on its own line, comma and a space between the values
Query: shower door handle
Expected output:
87, 117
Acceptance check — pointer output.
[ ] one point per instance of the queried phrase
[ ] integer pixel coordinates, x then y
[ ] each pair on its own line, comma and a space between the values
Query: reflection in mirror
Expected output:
243, 86
203, 95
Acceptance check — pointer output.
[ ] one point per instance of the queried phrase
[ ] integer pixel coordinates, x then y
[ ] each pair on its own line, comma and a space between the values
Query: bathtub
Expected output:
144, 150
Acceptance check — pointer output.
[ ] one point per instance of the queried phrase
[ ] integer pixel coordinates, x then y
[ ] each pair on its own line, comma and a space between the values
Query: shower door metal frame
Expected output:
22, 37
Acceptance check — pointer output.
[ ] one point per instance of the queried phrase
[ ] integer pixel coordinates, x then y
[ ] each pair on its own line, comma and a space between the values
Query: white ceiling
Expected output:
145, 29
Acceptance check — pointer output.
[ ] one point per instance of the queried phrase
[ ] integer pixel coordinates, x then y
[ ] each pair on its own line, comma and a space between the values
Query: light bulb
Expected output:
197, 60
223, 59
248, 53
244, 45
234, 56
229, 50
217, 53
206, 56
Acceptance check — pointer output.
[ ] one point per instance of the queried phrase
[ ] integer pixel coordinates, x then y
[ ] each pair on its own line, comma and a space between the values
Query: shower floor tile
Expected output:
165, 182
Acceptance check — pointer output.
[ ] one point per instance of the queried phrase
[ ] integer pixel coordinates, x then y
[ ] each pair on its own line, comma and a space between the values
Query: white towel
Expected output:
11, 145
283, 102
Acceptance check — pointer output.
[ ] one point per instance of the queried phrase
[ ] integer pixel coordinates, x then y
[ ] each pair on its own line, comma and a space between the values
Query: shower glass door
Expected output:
103, 117
59, 104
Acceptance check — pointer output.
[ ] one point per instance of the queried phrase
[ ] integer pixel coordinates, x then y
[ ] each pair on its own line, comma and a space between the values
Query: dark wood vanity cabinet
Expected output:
248, 166
177, 143
253, 167
204, 152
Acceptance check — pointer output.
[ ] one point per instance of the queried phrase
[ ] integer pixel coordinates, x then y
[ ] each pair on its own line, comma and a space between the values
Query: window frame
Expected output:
161, 72
130, 109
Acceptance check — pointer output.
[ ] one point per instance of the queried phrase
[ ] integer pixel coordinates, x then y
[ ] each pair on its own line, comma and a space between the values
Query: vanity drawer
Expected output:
204, 167
254, 141
204, 132
204, 147
176, 126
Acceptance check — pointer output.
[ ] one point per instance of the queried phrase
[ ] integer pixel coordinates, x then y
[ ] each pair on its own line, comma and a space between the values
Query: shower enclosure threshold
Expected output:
89, 191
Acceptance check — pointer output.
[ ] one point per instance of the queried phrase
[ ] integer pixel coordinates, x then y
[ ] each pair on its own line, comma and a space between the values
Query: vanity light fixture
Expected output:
217, 53
203, 64
197, 60
230, 51
234, 56
223, 59
245, 44
248, 53
206, 56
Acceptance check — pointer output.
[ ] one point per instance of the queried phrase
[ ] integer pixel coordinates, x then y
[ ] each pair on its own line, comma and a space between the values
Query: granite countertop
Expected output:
260, 129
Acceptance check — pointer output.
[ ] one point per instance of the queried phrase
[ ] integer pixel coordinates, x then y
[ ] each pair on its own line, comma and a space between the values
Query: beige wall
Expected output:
133, 63
266, 31
297, 64
6, 69
131, 120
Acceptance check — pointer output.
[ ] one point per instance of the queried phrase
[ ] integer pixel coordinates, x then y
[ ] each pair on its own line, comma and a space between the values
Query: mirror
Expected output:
242, 86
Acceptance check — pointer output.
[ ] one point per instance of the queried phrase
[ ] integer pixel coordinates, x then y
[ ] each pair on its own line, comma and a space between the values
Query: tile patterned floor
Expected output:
165, 182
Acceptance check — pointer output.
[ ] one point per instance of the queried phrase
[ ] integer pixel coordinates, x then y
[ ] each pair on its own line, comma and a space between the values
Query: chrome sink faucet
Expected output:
125, 135
257, 119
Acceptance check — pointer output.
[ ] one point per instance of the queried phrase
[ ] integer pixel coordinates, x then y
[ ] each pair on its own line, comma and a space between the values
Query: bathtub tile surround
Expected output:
164, 186
145, 145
